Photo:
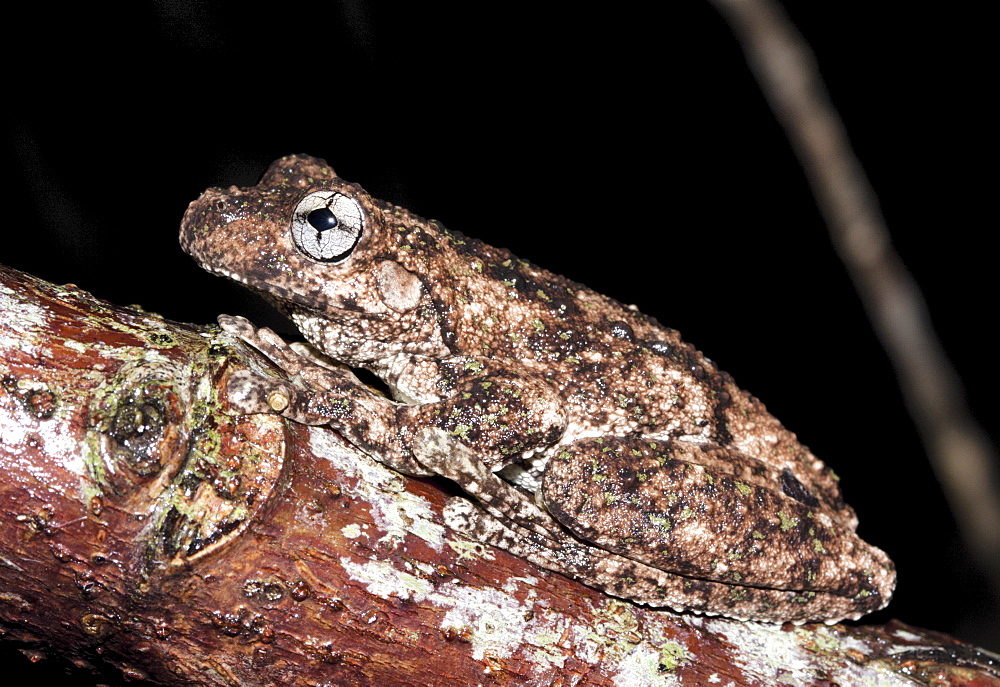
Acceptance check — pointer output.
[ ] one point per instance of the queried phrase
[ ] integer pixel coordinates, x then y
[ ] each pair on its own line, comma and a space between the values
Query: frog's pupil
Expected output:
322, 219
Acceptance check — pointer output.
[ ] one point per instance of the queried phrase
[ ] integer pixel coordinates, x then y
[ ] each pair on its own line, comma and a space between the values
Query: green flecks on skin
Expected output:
803, 598
461, 431
537, 324
734, 555
473, 365
660, 521
541, 294
564, 335
787, 522
744, 489
641, 476
709, 478
818, 546
598, 478
686, 514
757, 534
672, 498
609, 498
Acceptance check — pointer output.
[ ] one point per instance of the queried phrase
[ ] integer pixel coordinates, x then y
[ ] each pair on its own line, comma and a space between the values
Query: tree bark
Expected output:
143, 526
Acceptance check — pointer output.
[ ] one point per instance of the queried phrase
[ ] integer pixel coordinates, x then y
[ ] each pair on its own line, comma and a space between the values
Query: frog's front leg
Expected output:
497, 413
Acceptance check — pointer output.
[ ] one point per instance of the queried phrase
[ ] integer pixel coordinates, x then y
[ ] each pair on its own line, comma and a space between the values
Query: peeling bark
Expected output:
145, 527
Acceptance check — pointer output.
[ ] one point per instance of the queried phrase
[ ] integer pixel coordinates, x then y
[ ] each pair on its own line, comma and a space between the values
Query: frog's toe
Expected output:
249, 393
236, 325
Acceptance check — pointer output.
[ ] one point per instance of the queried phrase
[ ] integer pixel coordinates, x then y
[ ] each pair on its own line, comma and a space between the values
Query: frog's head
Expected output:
319, 248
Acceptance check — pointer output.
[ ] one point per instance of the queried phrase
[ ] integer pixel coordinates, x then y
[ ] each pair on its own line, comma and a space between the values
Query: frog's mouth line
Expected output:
276, 295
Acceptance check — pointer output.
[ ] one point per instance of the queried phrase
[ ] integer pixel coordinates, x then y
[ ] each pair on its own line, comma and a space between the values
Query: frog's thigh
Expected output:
657, 503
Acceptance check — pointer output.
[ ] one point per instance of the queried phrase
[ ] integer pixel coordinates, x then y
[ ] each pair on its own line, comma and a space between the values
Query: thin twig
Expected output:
962, 456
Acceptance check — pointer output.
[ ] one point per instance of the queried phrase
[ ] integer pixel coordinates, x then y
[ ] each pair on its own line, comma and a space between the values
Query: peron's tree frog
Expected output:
589, 438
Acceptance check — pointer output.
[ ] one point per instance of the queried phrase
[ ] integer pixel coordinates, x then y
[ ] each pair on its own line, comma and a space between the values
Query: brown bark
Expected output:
143, 526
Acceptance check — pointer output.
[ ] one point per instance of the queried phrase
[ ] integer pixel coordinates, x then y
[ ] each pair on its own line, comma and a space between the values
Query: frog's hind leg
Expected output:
508, 519
629, 579
441, 453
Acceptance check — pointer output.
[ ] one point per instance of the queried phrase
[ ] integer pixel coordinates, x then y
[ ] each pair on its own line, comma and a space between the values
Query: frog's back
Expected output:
618, 371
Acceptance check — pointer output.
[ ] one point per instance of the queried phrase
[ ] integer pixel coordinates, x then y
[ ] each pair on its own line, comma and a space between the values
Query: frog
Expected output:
585, 436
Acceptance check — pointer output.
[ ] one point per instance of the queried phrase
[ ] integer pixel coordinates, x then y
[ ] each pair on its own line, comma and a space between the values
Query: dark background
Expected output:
627, 150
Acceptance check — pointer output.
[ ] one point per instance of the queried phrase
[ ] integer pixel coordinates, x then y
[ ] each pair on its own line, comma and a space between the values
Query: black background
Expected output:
626, 149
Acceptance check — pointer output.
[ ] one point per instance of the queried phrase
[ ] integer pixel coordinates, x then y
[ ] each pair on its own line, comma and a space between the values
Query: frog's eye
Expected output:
327, 225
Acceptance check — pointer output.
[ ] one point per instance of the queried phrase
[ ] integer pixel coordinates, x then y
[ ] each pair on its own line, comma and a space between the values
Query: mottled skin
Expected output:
629, 461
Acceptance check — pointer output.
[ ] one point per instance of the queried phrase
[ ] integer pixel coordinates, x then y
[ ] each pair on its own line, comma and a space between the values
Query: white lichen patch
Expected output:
497, 621
767, 653
394, 509
384, 580
642, 667
63, 446
641, 654
31, 319
468, 549
352, 531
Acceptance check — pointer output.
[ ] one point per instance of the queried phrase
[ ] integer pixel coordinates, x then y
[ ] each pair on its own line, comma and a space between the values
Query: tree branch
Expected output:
145, 528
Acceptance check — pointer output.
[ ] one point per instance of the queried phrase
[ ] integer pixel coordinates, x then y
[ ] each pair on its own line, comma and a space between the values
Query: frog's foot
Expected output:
362, 417
629, 579
593, 567
296, 360
261, 338
250, 393
444, 455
